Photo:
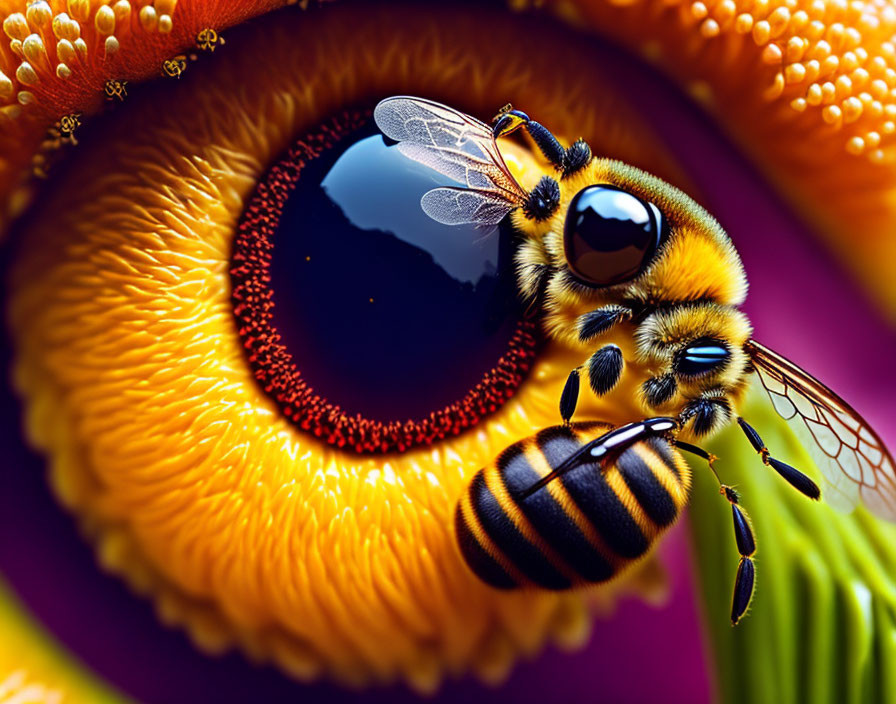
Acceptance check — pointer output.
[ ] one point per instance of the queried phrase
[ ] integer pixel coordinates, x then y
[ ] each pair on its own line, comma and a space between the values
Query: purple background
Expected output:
801, 303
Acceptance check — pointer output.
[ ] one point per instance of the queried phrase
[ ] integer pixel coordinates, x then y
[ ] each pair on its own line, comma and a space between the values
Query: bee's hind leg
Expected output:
743, 534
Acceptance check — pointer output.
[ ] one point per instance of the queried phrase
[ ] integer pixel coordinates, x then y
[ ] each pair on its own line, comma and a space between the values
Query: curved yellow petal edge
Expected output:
36, 670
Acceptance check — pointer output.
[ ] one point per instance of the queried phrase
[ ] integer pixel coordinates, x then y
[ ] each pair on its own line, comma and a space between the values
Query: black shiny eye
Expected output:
610, 235
701, 357
371, 325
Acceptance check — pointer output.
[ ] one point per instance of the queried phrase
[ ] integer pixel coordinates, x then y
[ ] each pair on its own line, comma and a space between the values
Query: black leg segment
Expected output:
598, 321
547, 143
746, 546
604, 369
793, 476
659, 390
743, 589
569, 399
743, 535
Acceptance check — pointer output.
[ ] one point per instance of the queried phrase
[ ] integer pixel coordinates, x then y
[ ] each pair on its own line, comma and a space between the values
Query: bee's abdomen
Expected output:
583, 527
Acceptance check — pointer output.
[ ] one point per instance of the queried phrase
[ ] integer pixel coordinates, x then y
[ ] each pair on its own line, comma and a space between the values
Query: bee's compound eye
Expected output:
610, 235
701, 357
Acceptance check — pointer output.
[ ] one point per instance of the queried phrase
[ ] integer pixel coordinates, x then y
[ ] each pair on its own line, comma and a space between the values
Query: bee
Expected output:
68, 124
115, 89
614, 258
175, 66
208, 39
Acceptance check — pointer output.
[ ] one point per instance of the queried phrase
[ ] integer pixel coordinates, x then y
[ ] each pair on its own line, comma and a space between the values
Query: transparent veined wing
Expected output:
458, 146
456, 206
853, 459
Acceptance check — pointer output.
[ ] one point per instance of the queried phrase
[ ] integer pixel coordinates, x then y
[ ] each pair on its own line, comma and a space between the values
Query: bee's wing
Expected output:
850, 454
458, 146
456, 206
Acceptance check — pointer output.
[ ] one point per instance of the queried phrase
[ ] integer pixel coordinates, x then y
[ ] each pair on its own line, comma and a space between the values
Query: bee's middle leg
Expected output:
605, 366
604, 369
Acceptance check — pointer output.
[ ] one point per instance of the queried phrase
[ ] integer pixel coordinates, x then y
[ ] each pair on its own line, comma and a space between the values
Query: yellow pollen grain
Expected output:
778, 22
795, 73
33, 48
16, 26
710, 28
38, 14
832, 115
165, 24
775, 90
852, 109
81, 48
814, 95
772, 55
111, 45
122, 10
796, 48
820, 50
844, 86
148, 18
65, 28
79, 10
761, 33
104, 20
65, 52
813, 69
26, 75
743, 24
25, 97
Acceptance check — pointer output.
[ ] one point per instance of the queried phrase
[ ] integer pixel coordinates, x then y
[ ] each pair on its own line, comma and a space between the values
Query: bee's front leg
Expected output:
598, 321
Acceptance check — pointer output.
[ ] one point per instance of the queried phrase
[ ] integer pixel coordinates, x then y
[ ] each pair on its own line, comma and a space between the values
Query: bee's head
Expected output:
621, 235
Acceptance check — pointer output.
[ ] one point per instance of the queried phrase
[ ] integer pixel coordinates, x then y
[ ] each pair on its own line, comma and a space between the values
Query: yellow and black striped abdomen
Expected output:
583, 527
